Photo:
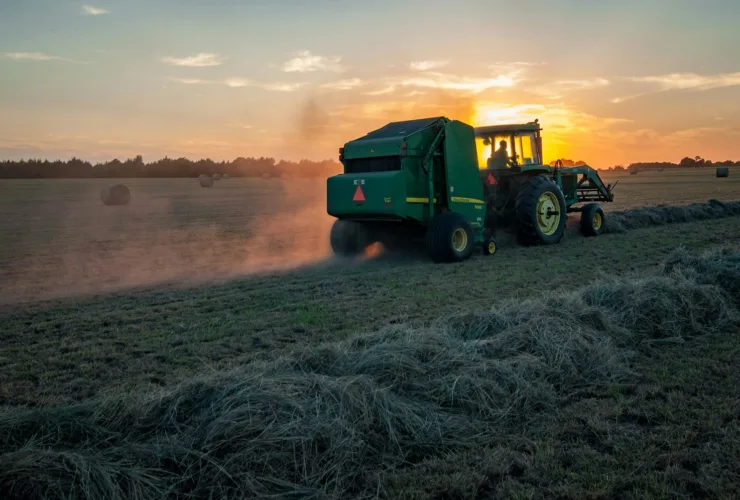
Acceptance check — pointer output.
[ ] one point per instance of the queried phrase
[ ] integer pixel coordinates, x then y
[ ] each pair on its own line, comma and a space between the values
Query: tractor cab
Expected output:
509, 147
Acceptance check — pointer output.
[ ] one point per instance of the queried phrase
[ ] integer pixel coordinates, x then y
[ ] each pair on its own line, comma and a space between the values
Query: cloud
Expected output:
31, 56
515, 63
382, 91
282, 87
237, 82
198, 61
346, 84
273, 87
89, 10
465, 84
585, 84
427, 65
682, 81
618, 100
555, 90
305, 62
188, 81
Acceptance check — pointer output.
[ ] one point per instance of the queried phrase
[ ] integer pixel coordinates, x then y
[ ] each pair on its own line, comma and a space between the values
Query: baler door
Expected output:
464, 186
373, 194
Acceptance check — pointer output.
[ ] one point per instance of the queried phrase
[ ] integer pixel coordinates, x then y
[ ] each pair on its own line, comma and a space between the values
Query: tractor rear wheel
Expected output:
449, 238
592, 219
348, 238
540, 212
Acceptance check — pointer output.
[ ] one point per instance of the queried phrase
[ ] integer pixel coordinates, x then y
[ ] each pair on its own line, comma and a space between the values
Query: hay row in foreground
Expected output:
331, 420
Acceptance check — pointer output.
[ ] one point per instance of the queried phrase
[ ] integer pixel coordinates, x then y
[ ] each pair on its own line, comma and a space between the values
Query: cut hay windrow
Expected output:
636, 218
331, 420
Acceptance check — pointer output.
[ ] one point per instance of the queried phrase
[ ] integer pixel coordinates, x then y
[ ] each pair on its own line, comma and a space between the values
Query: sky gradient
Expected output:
610, 81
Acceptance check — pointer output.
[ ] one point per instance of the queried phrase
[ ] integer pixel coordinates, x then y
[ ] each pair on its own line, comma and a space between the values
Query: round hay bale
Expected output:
634, 172
206, 181
723, 172
225, 176
115, 194
216, 177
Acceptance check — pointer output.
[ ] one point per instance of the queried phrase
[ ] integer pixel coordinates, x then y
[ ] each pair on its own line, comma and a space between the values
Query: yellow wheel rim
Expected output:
597, 221
459, 240
491, 247
546, 219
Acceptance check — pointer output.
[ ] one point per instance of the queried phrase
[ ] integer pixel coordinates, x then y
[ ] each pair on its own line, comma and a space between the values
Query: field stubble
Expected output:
374, 413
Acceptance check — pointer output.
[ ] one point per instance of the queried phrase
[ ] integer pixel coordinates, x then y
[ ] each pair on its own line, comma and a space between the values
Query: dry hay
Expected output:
723, 172
332, 420
621, 221
115, 194
226, 176
206, 181
634, 172
216, 177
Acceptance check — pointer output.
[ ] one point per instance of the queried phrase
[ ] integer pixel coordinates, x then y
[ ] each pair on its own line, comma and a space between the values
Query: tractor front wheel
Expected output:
489, 246
592, 219
540, 212
348, 238
449, 238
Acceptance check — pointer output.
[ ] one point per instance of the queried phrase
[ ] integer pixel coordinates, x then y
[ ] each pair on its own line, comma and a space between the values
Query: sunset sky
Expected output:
611, 81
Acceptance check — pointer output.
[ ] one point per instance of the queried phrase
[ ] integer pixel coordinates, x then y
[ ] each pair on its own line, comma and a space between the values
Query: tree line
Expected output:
167, 167
687, 162
241, 167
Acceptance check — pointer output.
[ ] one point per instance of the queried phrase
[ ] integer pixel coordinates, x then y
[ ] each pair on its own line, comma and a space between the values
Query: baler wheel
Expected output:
348, 238
449, 238
540, 212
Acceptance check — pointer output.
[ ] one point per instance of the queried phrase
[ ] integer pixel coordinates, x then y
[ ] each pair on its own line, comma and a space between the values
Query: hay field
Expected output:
384, 378
59, 239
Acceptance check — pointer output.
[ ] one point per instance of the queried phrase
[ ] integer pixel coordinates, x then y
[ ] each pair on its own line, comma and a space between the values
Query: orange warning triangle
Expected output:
359, 195
491, 179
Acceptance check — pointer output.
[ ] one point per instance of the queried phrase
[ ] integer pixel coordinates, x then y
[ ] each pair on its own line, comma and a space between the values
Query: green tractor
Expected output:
421, 181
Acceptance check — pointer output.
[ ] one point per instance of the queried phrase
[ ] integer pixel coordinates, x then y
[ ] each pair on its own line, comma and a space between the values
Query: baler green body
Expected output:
399, 167
404, 180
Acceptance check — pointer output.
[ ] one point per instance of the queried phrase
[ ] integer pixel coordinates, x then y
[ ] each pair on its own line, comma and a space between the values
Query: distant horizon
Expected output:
296, 79
264, 162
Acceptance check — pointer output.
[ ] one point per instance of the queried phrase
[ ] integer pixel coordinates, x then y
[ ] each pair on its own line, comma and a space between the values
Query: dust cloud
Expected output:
173, 231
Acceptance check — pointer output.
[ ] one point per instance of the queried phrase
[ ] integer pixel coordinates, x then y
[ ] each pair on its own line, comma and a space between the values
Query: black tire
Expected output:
444, 231
348, 238
592, 219
489, 246
529, 230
